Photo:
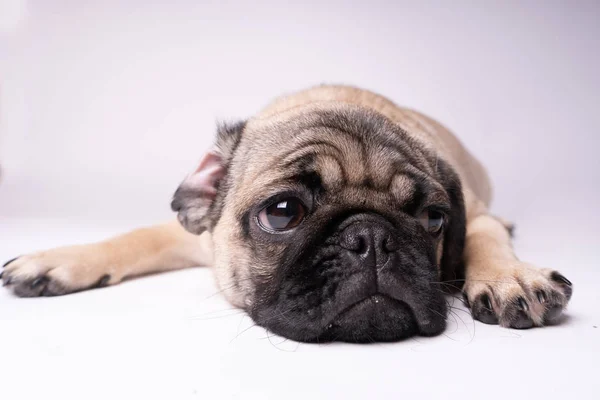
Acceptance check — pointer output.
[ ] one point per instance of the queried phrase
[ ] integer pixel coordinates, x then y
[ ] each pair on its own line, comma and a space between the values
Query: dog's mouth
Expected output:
372, 317
373, 303
377, 318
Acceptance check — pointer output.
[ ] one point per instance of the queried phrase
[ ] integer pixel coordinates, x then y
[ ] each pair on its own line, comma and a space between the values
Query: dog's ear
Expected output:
201, 193
452, 264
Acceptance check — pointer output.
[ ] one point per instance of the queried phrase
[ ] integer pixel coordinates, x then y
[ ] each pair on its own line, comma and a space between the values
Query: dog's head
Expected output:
329, 224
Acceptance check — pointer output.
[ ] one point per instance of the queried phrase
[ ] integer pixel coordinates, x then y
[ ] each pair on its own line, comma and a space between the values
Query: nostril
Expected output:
354, 243
361, 245
362, 238
390, 245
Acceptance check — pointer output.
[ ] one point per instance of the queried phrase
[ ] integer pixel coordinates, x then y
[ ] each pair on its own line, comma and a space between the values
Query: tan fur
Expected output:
147, 250
422, 127
490, 261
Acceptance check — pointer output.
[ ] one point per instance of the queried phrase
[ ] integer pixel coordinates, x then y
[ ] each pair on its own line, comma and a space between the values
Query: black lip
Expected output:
374, 298
332, 332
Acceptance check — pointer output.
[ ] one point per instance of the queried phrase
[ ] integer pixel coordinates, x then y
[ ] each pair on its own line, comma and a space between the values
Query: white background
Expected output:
106, 105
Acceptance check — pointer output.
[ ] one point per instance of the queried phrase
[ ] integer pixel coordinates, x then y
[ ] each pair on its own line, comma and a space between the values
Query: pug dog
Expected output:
333, 214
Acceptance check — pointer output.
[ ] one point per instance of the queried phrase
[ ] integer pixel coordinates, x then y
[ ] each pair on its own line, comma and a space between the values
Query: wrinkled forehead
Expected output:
339, 149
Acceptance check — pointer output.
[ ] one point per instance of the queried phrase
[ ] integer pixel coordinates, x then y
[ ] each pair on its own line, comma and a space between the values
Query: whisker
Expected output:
200, 318
451, 338
219, 311
223, 289
281, 314
237, 331
455, 321
454, 309
450, 281
277, 346
247, 329
447, 284
453, 312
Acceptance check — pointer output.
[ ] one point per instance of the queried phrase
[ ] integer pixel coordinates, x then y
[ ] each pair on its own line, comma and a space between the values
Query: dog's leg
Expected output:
501, 289
70, 269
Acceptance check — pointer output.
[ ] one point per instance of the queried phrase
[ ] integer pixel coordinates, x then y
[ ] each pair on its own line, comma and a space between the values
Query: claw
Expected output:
523, 304
558, 277
9, 261
38, 281
541, 296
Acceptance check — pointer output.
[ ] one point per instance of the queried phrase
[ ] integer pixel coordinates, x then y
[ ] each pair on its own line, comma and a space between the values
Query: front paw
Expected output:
520, 297
55, 272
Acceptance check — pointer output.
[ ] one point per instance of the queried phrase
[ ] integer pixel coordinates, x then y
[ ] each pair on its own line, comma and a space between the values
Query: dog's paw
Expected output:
56, 272
521, 297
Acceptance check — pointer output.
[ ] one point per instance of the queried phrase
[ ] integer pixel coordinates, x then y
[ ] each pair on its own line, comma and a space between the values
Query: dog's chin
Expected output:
374, 318
378, 318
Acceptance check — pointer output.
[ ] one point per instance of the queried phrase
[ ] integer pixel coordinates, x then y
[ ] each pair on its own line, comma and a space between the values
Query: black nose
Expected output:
369, 239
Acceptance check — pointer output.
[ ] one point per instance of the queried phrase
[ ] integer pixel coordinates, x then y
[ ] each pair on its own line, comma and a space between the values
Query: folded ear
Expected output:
452, 264
201, 192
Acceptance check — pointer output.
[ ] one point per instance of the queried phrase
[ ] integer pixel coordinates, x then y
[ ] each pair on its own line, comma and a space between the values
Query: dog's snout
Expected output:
368, 238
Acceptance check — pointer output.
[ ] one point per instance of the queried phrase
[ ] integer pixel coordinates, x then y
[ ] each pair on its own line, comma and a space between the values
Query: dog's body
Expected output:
312, 214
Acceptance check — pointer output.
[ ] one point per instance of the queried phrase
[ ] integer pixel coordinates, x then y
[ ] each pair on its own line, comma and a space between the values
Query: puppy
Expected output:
333, 214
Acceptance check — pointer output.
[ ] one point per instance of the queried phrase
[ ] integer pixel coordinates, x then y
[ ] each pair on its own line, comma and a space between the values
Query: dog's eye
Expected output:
432, 221
283, 215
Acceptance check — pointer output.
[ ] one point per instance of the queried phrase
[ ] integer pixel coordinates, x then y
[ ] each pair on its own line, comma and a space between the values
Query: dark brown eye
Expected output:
432, 221
283, 215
